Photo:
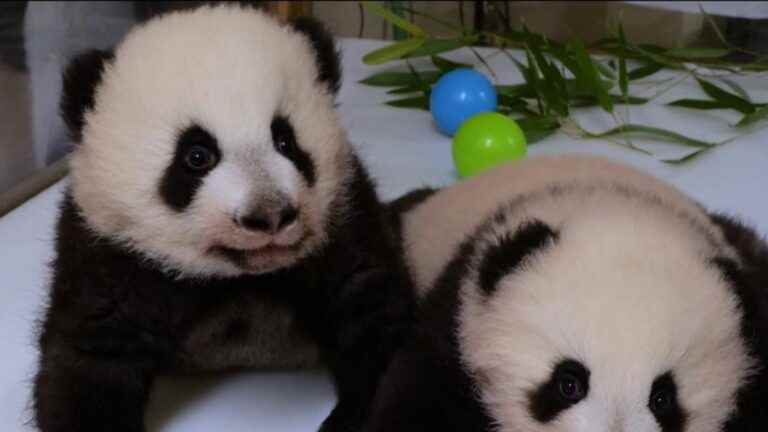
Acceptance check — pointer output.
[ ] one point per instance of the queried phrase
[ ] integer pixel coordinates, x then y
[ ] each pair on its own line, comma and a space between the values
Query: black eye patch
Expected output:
567, 386
663, 403
197, 153
284, 141
508, 253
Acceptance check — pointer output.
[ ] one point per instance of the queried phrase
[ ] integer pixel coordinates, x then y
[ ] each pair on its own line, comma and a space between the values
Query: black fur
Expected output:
79, 83
327, 57
750, 283
285, 142
426, 388
546, 402
179, 183
115, 320
672, 417
508, 252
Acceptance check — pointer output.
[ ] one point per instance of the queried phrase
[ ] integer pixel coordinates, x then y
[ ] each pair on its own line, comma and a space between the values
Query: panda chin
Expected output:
263, 259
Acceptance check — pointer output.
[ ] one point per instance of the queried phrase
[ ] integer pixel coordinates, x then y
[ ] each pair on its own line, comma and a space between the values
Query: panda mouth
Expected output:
260, 256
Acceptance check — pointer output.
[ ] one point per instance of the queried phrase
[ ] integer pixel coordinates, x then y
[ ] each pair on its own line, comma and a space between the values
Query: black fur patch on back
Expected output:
427, 387
282, 131
327, 57
546, 402
750, 285
508, 253
78, 92
179, 184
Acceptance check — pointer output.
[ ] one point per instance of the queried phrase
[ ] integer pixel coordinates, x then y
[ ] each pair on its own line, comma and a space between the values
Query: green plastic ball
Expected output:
486, 140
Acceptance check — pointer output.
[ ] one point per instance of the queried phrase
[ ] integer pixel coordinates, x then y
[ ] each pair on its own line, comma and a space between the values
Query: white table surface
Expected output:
403, 151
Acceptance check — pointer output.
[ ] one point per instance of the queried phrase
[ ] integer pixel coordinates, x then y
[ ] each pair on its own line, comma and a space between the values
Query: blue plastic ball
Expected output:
458, 95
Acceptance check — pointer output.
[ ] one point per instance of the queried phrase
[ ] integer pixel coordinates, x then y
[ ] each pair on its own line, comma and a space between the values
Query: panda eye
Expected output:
664, 404
199, 158
571, 388
283, 137
661, 402
283, 145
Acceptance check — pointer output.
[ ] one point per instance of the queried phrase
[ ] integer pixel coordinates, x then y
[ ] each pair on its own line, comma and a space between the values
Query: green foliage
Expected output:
394, 51
558, 78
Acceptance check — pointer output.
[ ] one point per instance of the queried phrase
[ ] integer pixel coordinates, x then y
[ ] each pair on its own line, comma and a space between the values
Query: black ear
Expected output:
508, 252
327, 57
82, 76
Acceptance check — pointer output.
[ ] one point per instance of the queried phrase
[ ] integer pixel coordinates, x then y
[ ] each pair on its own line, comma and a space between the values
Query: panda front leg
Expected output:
369, 323
75, 392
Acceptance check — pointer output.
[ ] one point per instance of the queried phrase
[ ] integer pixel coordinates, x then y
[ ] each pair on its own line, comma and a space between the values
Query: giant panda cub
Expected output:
216, 217
573, 294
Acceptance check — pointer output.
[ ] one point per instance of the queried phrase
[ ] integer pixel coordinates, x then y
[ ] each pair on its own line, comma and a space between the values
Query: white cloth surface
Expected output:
403, 151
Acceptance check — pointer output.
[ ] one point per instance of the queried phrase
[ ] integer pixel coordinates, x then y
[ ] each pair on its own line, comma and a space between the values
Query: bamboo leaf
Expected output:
623, 79
530, 75
650, 54
725, 97
515, 91
589, 101
408, 89
513, 104
644, 71
688, 157
420, 102
700, 104
739, 90
553, 88
538, 127
697, 53
580, 89
436, 46
651, 132
400, 79
446, 65
605, 70
393, 18
590, 76
759, 114
394, 51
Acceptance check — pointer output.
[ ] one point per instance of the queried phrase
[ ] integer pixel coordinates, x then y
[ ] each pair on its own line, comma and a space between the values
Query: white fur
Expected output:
230, 70
434, 229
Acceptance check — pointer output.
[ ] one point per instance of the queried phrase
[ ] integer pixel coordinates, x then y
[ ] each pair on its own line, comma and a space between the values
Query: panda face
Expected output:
614, 318
211, 146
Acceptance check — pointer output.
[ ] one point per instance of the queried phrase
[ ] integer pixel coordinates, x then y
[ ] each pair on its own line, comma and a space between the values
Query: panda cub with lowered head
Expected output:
578, 295
216, 218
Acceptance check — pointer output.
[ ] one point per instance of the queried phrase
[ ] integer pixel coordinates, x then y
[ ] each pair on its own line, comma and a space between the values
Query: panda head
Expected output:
208, 141
602, 313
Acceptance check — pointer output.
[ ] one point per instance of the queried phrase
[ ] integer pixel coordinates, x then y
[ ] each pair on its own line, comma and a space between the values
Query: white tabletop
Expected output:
403, 151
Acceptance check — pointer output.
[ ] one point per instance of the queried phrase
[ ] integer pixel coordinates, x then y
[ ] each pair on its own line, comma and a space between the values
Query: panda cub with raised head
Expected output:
217, 217
578, 295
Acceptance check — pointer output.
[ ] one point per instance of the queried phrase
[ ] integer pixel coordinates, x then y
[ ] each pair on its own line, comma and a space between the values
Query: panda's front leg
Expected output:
369, 321
79, 392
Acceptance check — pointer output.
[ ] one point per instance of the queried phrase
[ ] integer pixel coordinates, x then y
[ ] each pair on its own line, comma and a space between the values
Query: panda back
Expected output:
434, 229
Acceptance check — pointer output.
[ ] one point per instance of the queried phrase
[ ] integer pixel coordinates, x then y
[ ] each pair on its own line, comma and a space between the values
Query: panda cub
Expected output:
578, 295
216, 218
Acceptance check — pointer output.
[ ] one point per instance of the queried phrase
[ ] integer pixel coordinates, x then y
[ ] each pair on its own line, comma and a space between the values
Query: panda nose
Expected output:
269, 220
